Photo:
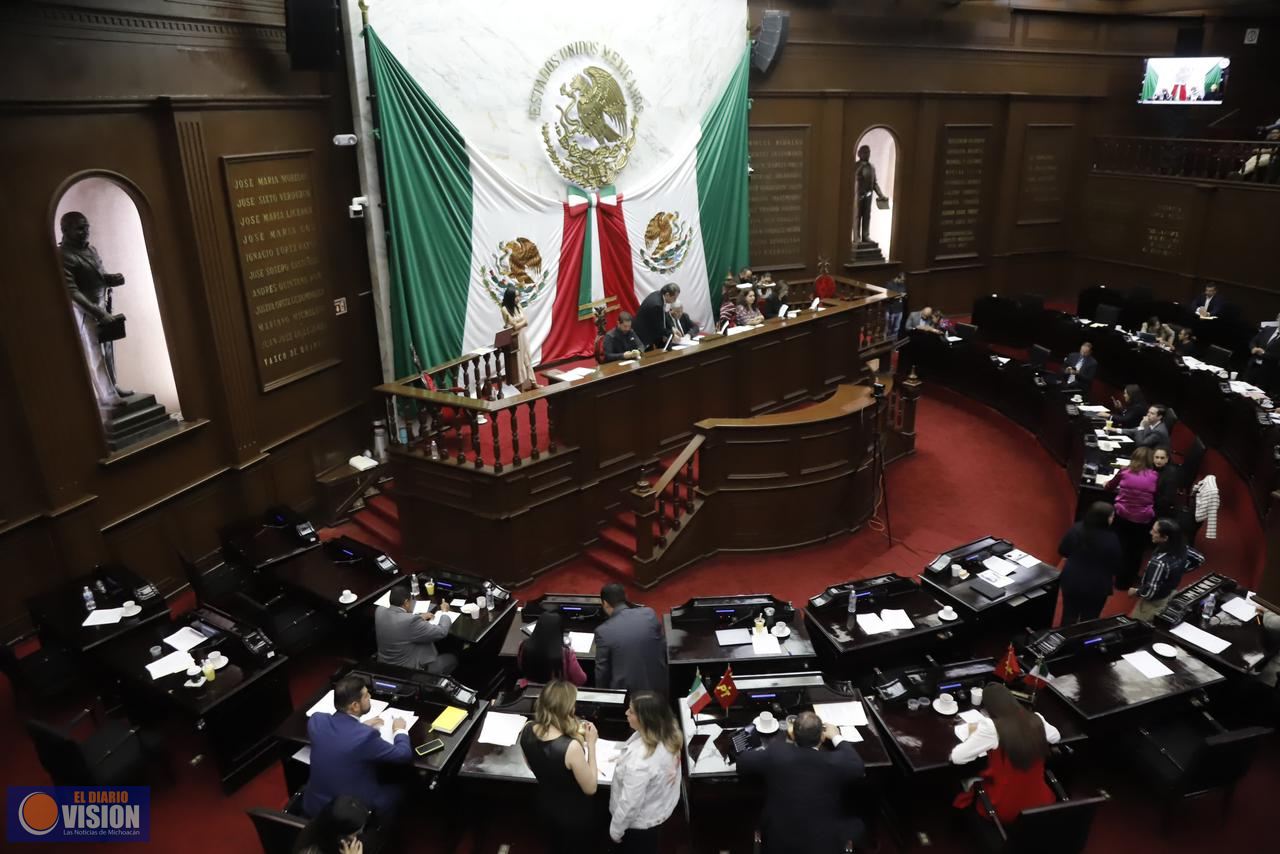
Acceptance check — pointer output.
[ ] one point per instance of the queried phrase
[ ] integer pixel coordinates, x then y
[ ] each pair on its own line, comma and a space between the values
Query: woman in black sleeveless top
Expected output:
561, 752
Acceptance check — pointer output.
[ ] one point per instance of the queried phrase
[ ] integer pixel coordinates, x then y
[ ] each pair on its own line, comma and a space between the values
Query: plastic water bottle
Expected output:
1206, 611
413, 584
488, 596
853, 602
89, 603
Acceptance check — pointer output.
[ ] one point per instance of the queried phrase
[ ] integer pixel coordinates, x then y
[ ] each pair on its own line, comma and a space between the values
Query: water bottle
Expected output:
435, 450
853, 602
89, 603
413, 584
1207, 610
488, 596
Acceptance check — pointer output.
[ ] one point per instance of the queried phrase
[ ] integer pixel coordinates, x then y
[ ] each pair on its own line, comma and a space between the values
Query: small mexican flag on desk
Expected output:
698, 698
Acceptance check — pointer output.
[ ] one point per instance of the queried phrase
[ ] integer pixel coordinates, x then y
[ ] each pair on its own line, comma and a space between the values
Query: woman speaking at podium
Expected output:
513, 319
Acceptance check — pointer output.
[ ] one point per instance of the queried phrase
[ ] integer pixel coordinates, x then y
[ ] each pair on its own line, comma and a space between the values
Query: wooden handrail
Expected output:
672, 470
846, 399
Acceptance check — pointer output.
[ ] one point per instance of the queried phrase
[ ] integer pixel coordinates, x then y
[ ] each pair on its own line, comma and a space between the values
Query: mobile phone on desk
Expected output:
430, 747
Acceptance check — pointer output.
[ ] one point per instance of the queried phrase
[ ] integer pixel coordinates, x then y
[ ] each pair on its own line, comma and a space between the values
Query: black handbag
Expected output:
111, 330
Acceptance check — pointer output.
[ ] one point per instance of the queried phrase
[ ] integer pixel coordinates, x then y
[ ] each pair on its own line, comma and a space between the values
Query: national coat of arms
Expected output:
666, 242
517, 264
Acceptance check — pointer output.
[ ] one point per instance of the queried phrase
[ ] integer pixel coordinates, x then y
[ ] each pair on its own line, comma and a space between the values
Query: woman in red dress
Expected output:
1016, 742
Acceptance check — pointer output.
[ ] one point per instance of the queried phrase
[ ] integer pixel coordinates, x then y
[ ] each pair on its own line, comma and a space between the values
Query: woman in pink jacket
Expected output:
1135, 509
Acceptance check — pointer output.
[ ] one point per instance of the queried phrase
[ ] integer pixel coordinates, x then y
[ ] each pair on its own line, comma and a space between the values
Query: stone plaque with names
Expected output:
1042, 186
779, 209
961, 173
285, 280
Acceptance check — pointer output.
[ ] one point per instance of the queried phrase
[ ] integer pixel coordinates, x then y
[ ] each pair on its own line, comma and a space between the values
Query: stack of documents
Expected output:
765, 644
184, 639
501, 729
581, 642
389, 716
1000, 565
888, 620
1198, 636
848, 713
178, 662
733, 637
994, 578
1147, 664
607, 753
1242, 609
103, 617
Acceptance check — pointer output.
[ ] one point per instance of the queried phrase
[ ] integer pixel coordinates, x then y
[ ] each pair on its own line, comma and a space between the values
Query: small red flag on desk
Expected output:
726, 692
1039, 675
698, 697
1008, 668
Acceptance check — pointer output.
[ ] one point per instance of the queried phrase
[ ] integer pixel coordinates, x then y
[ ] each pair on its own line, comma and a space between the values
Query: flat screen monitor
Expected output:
1188, 80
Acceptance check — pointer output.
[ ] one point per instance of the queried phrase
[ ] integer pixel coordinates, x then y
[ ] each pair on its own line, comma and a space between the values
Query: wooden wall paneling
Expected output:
29, 564
828, 183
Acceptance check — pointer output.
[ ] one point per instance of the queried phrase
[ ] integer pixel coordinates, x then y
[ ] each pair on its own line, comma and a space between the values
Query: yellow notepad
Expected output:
448, 720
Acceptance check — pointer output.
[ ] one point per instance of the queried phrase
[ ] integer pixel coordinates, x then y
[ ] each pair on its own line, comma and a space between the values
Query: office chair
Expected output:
213, 579
1039, 357
44, 676
1061, 828
1191, 461
1170, 420
1216, 355
1107, 313
1179, 761
113, 755
277, 831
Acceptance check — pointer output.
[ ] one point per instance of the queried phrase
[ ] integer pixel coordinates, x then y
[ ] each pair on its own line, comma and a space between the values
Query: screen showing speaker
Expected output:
1184, 80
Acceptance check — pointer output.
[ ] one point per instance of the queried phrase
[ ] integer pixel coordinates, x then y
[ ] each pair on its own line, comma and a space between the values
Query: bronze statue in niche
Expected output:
90, 287
865, 186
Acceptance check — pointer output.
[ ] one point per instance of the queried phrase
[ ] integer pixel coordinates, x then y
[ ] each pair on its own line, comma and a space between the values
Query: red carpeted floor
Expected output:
974, 473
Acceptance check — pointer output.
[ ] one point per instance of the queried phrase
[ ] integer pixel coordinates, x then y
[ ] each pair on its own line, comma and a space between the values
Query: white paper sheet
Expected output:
1198, 636
962, 731
1242, 609
1147, 664
1102, 479
848, 713
896, 619
733, 637
185, 638
607, 754
765, 644
1028, 561
951, 339
1122, 439
501, 729
325, 704
971, 716
998, 564
734, 330
850, 733
388, 716
1121, 464
581, 642
304, 754
174, 662
1108, 446
384, 600
995, 579
457, 603
103, 617
871, 624
422, 606
1100, 433
1092, 407
626, 362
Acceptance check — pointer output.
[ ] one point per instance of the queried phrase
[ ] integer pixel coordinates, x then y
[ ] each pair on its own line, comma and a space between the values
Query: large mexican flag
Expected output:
460, 232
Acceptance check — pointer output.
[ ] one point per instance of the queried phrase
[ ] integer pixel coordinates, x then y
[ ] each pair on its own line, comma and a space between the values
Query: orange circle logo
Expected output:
38, 813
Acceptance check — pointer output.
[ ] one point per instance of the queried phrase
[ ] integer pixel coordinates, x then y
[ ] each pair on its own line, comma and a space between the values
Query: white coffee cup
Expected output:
347, 594
130, 605
946, 701
956, 569
765, 722
975, 696
948, 613
193, 670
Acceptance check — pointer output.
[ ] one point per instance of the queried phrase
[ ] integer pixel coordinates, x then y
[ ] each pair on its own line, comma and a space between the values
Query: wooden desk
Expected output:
693, 643
258, 546
59, 616
580, 613
1029, 601
1249, 651
784, 694
842, 645
317, 576
923, 739
1101, 685
235, 714
533, 512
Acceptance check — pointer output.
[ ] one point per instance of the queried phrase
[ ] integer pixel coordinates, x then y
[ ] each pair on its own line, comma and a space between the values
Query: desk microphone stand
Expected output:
877, 467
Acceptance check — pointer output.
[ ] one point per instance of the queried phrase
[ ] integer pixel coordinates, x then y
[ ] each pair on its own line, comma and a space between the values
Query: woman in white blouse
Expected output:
646, 780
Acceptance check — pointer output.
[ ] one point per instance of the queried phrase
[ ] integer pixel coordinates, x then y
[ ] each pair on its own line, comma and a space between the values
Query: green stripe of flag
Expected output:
722, 180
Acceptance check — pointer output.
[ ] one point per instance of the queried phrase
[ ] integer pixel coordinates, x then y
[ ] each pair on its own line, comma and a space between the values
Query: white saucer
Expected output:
946, 619
945, 710
785, 630
1168, 650
131, 612
762, 730
195, 683
347, 600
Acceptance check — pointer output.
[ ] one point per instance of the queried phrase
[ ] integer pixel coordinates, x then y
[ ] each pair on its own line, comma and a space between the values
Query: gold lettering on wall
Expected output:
282, 273
1042, 184
961, 173
1162, 231
779, 204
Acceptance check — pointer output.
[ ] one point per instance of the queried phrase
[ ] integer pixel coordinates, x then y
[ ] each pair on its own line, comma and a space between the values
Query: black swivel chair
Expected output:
967, 331
1216, 355
1178, 760
1061, 828
277, 831
44, 676
115, 754
1107, 313
1039, 357
1191, 461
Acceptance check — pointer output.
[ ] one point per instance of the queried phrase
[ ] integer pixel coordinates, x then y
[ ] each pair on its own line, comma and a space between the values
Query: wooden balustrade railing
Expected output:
661, 507
1251, 161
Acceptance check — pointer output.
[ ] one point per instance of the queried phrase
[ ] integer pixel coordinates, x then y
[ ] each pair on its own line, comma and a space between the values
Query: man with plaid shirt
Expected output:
1170, 560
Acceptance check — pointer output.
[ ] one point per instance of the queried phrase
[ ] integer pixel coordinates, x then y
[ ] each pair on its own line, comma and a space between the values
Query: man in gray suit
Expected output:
409, 640
1151, 431
631, 653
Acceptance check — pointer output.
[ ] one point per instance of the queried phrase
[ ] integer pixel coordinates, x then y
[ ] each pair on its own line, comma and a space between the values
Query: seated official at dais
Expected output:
621, 342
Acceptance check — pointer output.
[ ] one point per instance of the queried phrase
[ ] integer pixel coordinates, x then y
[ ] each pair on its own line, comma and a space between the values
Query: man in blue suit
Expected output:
345, 753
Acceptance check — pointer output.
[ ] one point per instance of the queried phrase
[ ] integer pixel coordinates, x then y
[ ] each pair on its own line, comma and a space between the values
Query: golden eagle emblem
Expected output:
666, 242
516, 264
593, 138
